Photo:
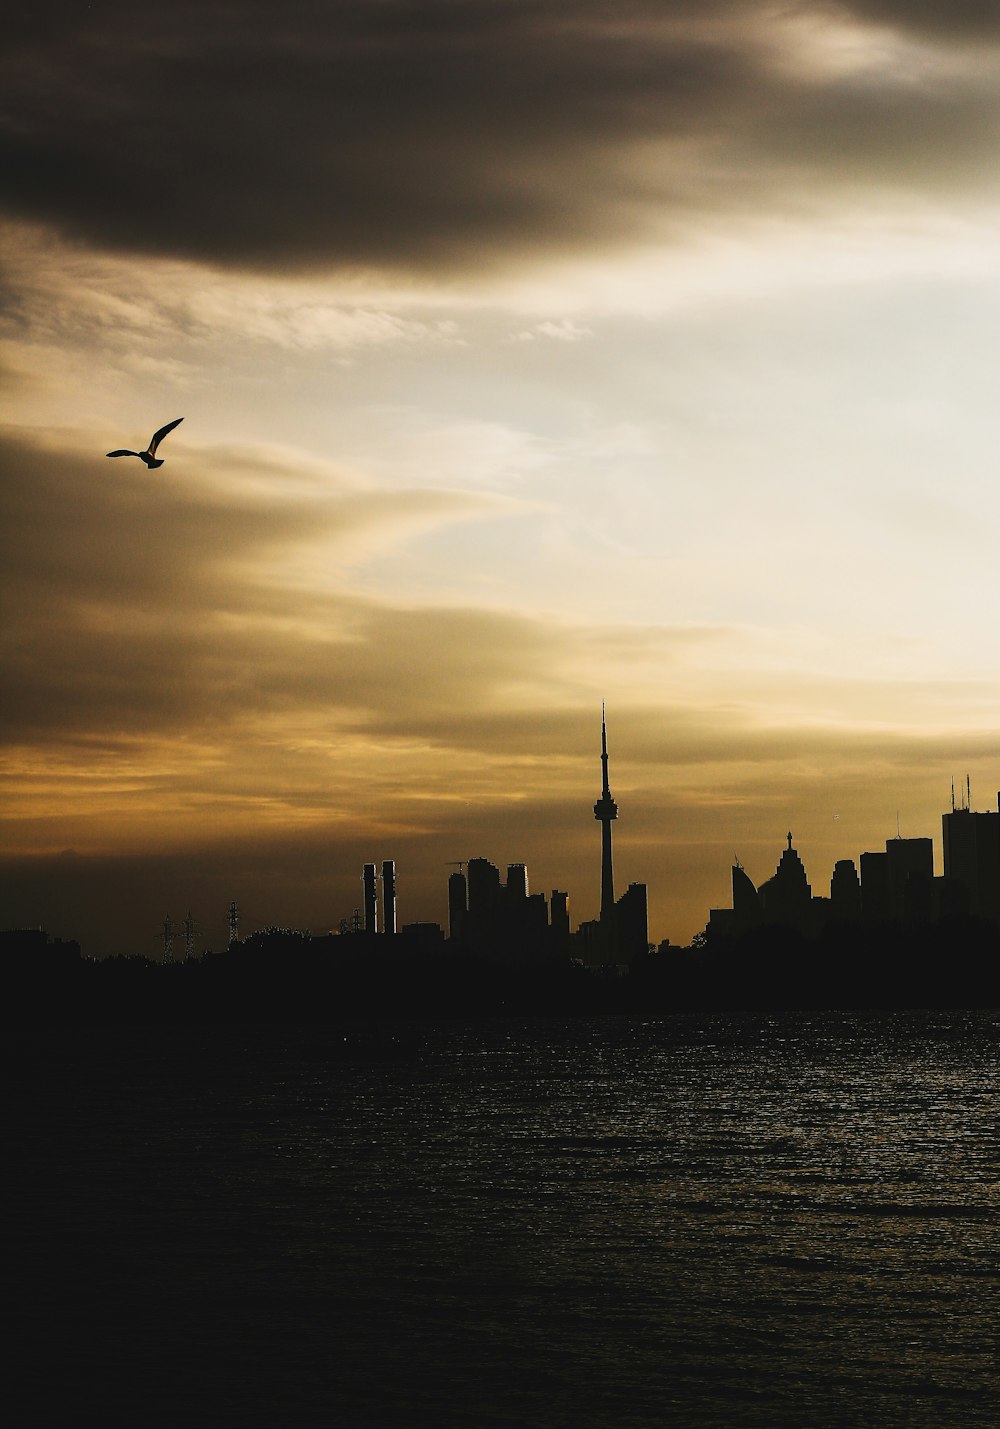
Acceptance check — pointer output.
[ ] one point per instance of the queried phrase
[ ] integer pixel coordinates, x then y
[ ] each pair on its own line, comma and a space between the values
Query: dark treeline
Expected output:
289, 977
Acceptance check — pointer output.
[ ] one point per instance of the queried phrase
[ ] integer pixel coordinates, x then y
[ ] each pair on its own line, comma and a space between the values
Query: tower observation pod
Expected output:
605, 810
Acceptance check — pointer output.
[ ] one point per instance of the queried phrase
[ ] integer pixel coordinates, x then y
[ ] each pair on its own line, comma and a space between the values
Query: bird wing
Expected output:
157, 437
123, 451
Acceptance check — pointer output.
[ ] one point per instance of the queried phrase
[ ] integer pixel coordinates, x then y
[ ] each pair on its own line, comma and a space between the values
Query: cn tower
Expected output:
605, 810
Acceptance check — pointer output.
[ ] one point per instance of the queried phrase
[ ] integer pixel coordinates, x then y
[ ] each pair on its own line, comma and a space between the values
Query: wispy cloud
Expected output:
60, 292
566, 330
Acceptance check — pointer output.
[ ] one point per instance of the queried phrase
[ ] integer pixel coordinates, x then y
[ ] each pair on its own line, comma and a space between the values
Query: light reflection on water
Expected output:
688, 1221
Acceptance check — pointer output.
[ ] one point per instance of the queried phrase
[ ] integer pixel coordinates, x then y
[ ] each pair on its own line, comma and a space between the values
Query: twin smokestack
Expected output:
388, 897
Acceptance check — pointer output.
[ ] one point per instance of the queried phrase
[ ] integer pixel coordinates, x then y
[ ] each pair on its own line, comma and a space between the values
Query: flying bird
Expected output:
149, 455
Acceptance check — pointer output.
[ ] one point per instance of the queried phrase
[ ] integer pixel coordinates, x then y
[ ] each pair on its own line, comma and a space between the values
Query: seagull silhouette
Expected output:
149, 455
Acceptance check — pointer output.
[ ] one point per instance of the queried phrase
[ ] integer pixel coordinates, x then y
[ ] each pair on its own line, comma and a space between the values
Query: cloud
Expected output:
223, 594
135, 604
56, 292
950, 19
448, 136
564, 331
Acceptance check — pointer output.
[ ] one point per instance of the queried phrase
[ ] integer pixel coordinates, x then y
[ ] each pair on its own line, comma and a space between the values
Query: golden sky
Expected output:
530, 355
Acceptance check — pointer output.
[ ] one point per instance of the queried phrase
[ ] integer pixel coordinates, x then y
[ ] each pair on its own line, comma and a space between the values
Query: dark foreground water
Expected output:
736, 1220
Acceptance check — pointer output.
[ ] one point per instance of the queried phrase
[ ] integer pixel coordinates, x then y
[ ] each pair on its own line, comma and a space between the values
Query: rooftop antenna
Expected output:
968, 793
953, 793
897, 823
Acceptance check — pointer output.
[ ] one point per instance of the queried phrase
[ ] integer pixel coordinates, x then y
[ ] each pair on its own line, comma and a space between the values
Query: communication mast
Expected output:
606, 810
234, 924
189, 932
168, 940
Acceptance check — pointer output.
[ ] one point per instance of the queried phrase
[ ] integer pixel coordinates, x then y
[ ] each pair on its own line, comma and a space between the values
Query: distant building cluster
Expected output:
35, 944
496, 916
894, 886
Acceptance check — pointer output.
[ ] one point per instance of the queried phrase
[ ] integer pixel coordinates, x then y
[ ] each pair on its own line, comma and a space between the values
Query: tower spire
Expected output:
606, 810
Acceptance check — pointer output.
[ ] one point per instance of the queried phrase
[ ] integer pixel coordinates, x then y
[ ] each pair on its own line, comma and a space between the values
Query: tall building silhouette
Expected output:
786, 896
746, 904
632, 922
605, 811
458, 905
845, 890
875, 887
910, 877
484, 891
559, 921
972, 857
371, 905
517, 880
389, 896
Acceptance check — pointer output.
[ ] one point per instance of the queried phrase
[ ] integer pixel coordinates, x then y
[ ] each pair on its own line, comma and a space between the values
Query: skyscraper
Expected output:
786, 897
910, 875
972, 858
845, 890
484, 891
517, 880
371, 907
389, 896
605, 810
875, 887
458, 905
559, 921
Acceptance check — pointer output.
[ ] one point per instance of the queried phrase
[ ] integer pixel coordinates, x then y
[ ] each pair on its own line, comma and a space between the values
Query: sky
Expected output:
530, 355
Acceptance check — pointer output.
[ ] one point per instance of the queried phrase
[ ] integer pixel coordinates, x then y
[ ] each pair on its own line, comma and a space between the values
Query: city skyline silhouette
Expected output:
678, 398
489, 915
489, 932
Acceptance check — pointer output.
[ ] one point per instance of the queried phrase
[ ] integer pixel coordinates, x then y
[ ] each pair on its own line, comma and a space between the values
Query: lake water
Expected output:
738, 1220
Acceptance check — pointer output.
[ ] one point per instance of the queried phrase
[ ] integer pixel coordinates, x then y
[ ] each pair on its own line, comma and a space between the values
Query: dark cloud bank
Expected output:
418, 134
139, 607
